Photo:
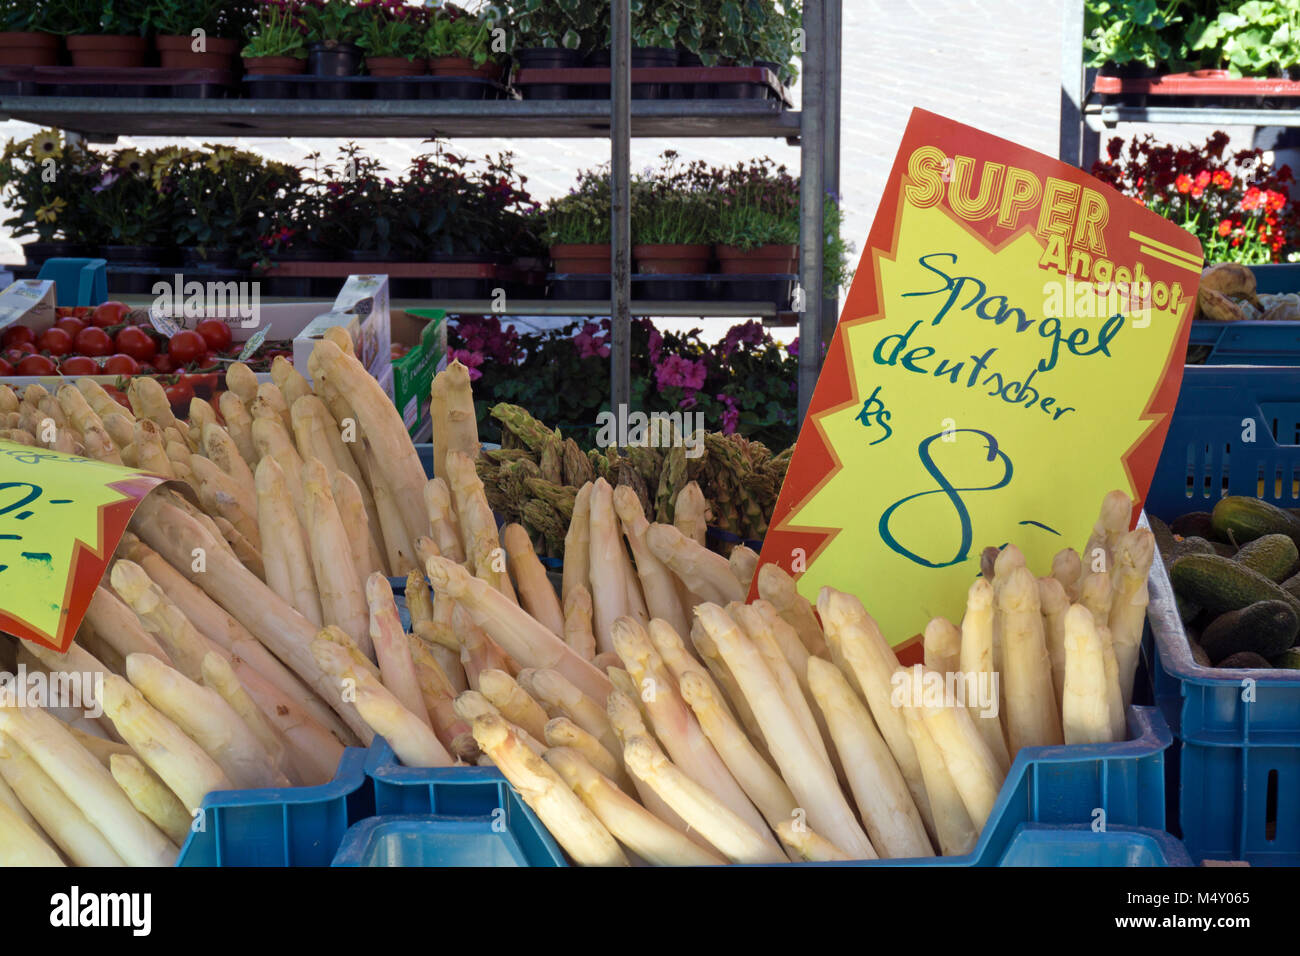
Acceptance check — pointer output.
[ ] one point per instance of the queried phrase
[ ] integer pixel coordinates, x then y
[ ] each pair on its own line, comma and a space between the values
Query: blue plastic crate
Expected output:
1237, 766
1118, 785
296, 826
469, 806
1034, 845
1254, 342
1206, 455
433, 840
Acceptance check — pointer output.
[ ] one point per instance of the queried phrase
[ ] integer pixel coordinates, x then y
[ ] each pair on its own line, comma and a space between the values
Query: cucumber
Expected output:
1290, 659
1192, 545
1220, 584
1165, 541
1292, 585
1266, 627
1240, 519
1244, 660
1196, 524
1274, 556
1187, 611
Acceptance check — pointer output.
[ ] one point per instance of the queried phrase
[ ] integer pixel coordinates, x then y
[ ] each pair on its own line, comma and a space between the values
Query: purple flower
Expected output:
793, 347
731, 417
675, 370
590, 343
472, 360
748, 333
110, 177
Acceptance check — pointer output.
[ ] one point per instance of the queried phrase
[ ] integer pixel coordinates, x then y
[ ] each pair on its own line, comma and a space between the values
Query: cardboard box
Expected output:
28, 302
425, 330
362, 308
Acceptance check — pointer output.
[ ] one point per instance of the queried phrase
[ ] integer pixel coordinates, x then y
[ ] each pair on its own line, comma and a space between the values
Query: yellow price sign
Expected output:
61, 517
1010, 351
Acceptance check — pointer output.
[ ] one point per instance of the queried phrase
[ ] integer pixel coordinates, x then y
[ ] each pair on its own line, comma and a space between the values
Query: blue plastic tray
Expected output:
1107, 785
298, 826
1034, 845
469, 806
1206, 455
434, 840
1255, 343
1237, 766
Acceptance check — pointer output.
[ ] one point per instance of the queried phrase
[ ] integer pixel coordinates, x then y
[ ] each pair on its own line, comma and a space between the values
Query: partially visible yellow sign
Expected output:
61, 517
1010, 351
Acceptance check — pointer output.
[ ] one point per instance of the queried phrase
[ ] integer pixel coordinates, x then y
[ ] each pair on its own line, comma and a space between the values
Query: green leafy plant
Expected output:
278, 30
391, 28
758, 205
25, 16
582, 216
1253, 38
562, 24
452, 32
674, 204
124, 207
836, 252
217, 18
332, 21
1142, 31
96, 17
42, 181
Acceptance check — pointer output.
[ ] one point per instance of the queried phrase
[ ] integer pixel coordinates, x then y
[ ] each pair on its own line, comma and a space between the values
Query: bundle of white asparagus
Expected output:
646, 713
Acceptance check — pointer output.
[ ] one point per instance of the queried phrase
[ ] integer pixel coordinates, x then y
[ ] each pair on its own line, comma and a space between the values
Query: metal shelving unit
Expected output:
814, 128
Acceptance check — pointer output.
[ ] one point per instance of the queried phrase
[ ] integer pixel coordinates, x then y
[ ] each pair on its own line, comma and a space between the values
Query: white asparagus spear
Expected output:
577, 543
151, 797
442, 518
777, 587
514, 703
942, 644
609, 596
284, 631
1096, 593
514, 629
1054, 602
708, 652
732, 836
808, 846
574, 826
971, 764
1085, 717
676, 727
563, 732
271, 440
411, 738
956, 834
185, 646
703, 571
809, 777
439, 700
21, 845
239, 423
455, 425
623, 708
690, 512
578, 632
220, 677
391, 648
1133, 555
116, 624
286, 554
103, 749
271, 403
471, 705
1067, 568
88, 785
58, 816
744, 565
858, 640
1032, 717
884, 803
352, 509
1114, 699
556, 693
656, 581
343, 602
207, 720
630, 823
536, 594
761, 783
977, 669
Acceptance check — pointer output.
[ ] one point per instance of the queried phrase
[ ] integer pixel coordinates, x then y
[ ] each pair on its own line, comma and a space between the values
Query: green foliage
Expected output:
217, 18
581, 217
277, 31
332, 21
556, 24
674, 204
1253, 38
26, 16
452, 32
92, 17
392, 29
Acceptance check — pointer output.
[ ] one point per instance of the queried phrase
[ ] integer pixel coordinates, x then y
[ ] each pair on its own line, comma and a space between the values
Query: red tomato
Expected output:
5, 368
118, 395
216, 333
163, 364
94, 341
109, 313
55, 341
70, 325
136, 342
18, 352
179, 394
16, 334
37, 365
79, 365
121, 365
186, 347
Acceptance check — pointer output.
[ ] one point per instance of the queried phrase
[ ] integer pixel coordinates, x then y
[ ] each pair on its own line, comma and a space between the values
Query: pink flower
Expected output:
748, 333
472, 360
731, 417
590, 343
681, 372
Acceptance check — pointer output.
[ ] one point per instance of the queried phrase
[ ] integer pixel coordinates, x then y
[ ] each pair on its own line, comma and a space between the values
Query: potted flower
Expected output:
353, 213
26, 34
101, 33
41, 181
673, 213
758, 219
277, 44
576, 226
457, 43
197, 34
548, 35
333, 28
392, 36
131, 216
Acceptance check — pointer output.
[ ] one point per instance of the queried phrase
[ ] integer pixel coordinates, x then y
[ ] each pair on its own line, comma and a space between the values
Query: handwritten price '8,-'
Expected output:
20, 494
